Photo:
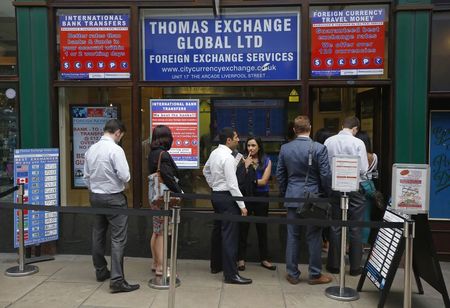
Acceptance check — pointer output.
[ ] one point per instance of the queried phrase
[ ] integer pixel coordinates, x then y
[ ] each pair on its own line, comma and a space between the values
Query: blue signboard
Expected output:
235, 47
440, 165
38, 171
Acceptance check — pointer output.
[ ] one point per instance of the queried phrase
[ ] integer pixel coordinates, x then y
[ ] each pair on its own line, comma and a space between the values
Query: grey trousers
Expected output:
119, 227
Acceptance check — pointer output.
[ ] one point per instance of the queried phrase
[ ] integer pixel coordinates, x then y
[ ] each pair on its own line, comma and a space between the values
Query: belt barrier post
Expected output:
162, 282
22, 269
341, 292
408, 233
173, 255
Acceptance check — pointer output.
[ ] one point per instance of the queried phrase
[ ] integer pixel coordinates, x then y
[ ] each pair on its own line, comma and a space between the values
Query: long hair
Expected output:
161, 138
261, 154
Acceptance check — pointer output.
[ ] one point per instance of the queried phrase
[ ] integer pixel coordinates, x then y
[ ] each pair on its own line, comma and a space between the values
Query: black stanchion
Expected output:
22, 269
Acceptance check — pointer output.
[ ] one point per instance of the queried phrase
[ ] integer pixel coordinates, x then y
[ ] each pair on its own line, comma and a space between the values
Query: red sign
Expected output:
347, 42
94, 46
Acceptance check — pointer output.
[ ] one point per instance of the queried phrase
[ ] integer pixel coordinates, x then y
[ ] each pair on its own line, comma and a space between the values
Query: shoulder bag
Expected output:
156, 188
313, 209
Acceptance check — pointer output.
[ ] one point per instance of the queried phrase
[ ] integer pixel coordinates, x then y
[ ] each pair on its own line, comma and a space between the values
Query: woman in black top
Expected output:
161, 142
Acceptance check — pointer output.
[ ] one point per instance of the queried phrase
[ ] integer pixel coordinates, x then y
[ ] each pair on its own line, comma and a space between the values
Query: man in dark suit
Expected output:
291, 173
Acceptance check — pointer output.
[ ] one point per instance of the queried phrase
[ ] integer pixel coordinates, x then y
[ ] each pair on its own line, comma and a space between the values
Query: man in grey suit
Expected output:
291, 174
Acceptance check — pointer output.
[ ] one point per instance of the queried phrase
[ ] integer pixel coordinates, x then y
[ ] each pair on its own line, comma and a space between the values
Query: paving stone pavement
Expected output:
69, 281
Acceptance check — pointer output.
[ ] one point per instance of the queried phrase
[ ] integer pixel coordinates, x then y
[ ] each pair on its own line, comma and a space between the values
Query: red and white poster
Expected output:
410, 188
94, 46
181, 116
348, 42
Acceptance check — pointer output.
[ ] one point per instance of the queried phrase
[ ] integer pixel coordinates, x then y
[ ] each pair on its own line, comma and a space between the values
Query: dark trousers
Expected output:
225, 236
256, 209
119, 226
355, 213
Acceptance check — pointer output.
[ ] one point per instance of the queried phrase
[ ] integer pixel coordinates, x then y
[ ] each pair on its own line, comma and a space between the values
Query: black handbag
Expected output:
313, 209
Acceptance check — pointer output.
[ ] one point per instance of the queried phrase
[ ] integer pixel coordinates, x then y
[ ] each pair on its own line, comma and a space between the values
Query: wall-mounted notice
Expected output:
181, 116
234, 47
345, 172
387, 245
94, 46
440, 164
87, 124
347, 42
410, 191
38, 171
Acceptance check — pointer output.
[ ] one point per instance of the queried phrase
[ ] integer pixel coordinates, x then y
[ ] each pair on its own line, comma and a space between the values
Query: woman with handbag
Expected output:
253, 174
159, 160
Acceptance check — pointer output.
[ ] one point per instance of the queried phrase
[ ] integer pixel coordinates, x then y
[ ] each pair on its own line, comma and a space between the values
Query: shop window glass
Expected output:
82, 114
93, 44
349, 41
440, 52
262, 111
8, 41
8, 135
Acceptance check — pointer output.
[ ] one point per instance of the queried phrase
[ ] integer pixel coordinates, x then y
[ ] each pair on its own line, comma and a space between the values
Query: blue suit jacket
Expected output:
293, 165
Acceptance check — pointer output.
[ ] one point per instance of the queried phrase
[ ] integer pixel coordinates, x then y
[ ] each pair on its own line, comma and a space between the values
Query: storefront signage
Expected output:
94, 46
347, 42
440, 164
38, 171
232, 48
410, 192
181, 116
87, 128
345, 172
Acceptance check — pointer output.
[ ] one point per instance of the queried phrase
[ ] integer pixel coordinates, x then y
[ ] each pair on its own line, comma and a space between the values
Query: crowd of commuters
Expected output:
303, 167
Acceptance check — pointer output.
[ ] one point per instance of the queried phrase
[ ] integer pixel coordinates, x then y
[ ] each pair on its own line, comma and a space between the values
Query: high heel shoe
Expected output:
241, 266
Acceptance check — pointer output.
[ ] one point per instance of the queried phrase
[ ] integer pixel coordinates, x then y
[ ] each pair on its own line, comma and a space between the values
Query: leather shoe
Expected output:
292, 280
322, 279
236, 279
122, 286
270, 268
102, 275
356, 272
215, 270
332, 270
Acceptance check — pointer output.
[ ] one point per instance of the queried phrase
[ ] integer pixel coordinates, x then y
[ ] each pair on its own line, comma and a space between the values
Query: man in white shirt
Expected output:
220, 174
106, 173
345, 143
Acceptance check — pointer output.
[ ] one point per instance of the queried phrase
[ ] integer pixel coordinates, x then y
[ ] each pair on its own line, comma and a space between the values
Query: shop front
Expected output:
251, 65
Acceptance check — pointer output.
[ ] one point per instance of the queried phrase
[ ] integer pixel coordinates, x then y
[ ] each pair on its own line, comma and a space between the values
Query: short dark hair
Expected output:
113, 125
322, 135
364, 136
225, 133
302, 124
350, 122
161, 137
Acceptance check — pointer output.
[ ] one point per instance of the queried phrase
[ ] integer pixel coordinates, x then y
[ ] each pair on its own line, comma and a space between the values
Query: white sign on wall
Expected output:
345, 170
410, 188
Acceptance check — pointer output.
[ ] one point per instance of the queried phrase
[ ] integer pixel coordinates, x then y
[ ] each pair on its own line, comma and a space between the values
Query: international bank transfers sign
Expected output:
38, 171
94, 46
181, 116
347, 42
232, 48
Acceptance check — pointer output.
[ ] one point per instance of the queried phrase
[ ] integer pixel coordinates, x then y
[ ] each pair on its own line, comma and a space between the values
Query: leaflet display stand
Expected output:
387, 251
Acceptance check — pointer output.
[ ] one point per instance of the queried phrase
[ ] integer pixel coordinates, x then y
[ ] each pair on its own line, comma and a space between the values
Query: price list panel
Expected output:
385, 247
38, 171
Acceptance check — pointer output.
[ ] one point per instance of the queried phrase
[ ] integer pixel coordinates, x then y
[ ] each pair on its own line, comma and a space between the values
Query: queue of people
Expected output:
303, 166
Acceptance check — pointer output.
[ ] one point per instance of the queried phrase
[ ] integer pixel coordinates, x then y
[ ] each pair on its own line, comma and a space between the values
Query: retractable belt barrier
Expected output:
175, 213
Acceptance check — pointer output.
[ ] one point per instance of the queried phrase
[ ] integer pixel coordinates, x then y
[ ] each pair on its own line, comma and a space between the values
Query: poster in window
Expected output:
87, 123
440, 164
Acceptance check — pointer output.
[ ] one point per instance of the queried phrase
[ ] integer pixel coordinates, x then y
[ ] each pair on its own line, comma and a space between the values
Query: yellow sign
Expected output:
293, 97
